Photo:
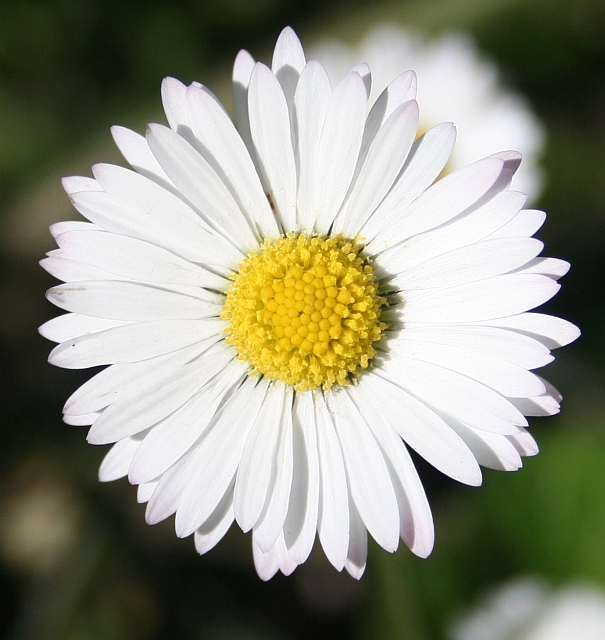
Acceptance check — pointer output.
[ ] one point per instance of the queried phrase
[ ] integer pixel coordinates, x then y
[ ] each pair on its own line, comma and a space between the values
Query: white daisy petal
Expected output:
469, 264
137, 153
287, 65
301, 521
81, 420
75, 184
68, 270
242, 72
544, 405
420, 427
167, 222
461, 232
368, 477
119, 380
479, 301
499, 343
355, 563
136, 413
382, 164
173, 99
524, 443
365, 73
167, 494
132, 342
175, 435
491, 450
425, 162
135, 259
145, 491
270, 131
226, 152
525, 223
503, 376
217, 525
311, 102
447, 198
266, 564
117, 460
337, 153
200, 185
132, 302
416, 521
333, 521
401, 90
215, 461
271, 522
283, 308
551, 267
257, 468
456, 395
284, 560
73, 325
551, 331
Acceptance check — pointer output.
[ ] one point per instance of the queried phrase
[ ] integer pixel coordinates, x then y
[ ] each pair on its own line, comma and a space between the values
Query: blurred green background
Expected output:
76, 559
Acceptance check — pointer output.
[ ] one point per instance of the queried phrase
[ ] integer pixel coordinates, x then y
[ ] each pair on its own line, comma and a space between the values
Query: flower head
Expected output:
287, 305
456, 84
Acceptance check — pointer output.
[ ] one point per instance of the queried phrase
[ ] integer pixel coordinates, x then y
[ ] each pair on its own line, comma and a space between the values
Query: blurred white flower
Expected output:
286, 306
455, 84
527, 609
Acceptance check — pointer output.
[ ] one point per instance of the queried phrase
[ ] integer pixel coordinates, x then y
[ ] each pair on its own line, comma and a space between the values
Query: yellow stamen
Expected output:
305, 310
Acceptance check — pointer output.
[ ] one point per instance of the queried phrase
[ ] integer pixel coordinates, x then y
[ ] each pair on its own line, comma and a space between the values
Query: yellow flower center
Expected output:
305, 310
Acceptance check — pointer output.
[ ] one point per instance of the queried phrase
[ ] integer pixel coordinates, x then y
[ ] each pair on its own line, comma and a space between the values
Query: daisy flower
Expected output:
455, 84
286, 305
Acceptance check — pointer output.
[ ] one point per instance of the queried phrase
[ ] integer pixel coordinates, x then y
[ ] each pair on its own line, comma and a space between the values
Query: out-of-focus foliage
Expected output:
76, 559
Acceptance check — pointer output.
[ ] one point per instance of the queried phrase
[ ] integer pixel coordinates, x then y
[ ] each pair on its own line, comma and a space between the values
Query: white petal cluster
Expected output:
456, 84
145, 282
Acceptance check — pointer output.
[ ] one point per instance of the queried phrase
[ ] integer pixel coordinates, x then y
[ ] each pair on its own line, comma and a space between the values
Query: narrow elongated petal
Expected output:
370, 484
551, 331
135, 413
416, 522
456, 395
271, 523
257, 469
137, 153
225, 150
469, 264
201, 185
173, 437
133, 342
461, 232
270, 130
301, 521
132, 302
337, 153
215, 462
333, 521
73, 325
217, 525
311, 102
479, 301
420, 427
134, 259
382, 165
426, 161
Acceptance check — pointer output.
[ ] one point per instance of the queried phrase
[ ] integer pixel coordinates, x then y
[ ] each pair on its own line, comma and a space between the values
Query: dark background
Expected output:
76, 559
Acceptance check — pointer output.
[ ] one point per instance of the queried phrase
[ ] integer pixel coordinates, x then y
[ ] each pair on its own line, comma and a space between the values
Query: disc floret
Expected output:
305, 310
